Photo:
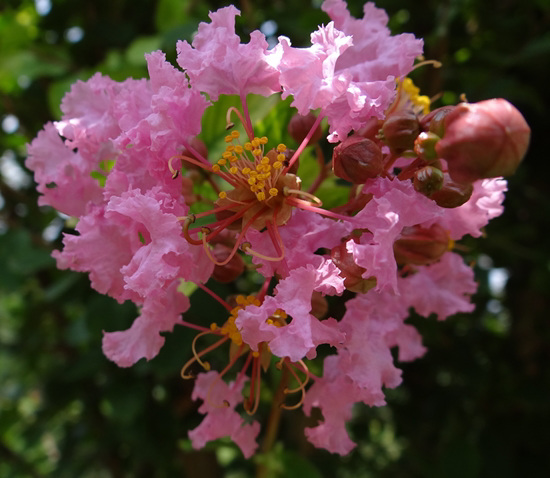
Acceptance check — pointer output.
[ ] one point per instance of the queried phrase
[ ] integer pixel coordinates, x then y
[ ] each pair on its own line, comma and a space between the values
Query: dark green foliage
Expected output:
477, 405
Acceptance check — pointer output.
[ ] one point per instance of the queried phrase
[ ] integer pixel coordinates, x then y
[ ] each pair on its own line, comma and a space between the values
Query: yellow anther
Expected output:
277, 165
248, 146
260, 196
235, 134
273, 192
226, 154
265, 160
230, 147
234, 170
281, 148
213, 327
245, 170
215, 168
256, 142
240, 299
257, 152
263, 140
281, 157
222, 162
253, 188
228, 138
261, 184
232, 159
239, 149
252, 180
253, 173
424, 102
222, 195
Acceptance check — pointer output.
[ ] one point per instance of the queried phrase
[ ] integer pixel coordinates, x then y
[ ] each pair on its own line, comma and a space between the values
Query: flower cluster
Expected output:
126, 159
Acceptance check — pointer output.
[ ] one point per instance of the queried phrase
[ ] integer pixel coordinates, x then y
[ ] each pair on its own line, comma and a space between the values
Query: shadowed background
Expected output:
475, 406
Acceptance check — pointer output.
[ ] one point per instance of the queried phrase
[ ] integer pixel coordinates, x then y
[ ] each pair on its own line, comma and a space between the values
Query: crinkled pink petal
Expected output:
394, 205
101, 248
305, 332
375, 54
218, 63
220, 400
160, 312
484, 205
63, 176
335, 394
308, 73
304, 234
166, 255
443, 288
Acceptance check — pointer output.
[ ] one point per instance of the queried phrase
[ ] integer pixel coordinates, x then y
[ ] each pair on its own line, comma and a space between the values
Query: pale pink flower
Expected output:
218, 63
302, 236
161, 310
349, 71
220, 399
443, 288
304, 333
484, 205
63, 176
394, 205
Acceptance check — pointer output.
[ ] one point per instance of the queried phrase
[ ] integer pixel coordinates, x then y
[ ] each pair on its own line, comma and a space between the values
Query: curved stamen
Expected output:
230, 124
185, 229
195, 153
301, 388
308, 207
187, 159
246, 247
197, 356
314, 199
306, 381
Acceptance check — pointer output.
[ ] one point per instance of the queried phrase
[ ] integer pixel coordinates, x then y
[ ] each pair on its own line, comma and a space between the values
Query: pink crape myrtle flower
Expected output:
218, 63
219, 402
301, 337
349, 71
394, 205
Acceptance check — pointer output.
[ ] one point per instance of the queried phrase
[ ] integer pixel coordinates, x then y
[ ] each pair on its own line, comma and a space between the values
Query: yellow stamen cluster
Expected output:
229, 328
250, 167
413, 92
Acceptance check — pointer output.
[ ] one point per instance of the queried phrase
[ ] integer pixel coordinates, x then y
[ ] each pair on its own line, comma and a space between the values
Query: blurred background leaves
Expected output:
477, 405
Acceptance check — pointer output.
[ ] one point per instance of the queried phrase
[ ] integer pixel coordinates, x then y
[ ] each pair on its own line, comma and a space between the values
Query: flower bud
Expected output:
357, 159
299, 126
428, 180
452, 194
230, 271
319, 305
483, 140
400, 131
434, 121
424, 146
350, 271
421, 245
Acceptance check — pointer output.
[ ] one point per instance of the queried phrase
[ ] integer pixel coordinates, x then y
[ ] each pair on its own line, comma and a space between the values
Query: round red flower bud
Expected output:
350, 271
400, 131
299, 126
357, 159
452, 194
483, 140
428, 180
230, 271
421, 245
